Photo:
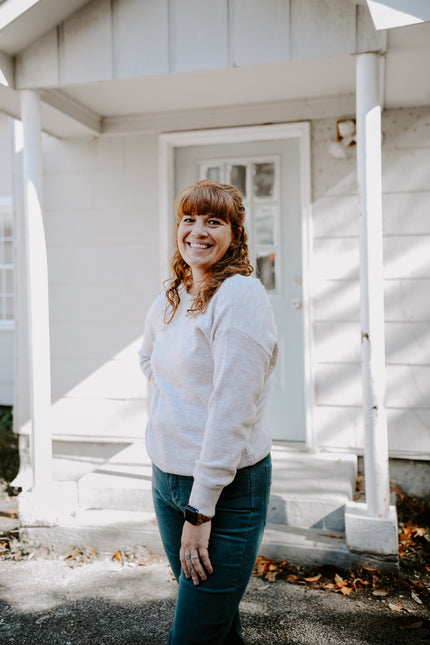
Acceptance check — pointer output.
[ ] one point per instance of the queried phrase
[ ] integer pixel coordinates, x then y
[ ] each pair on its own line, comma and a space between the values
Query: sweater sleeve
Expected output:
243, 360
152, 324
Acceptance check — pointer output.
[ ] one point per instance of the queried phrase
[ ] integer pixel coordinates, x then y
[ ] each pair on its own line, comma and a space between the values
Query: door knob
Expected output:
295, 304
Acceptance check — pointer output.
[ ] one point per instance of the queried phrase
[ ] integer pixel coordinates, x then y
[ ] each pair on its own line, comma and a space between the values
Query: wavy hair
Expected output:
224, 202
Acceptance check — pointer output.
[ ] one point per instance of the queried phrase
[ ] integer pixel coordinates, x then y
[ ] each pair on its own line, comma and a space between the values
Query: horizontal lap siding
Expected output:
6, 335
103, 262
406, 222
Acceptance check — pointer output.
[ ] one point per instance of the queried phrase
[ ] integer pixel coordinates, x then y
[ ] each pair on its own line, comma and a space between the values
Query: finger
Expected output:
191, 570
197, 565
204, 557
184, 563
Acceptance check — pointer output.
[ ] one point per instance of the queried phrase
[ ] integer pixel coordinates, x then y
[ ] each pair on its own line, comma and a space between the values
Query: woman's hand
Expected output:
194, 554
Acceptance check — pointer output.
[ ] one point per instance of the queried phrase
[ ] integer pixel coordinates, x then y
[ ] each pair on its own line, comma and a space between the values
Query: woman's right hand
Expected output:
194, 553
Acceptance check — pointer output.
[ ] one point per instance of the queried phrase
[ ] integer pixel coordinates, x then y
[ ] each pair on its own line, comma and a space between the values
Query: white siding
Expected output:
140, 37
102, 236
130, 38
103, 252
6, 334
406, 208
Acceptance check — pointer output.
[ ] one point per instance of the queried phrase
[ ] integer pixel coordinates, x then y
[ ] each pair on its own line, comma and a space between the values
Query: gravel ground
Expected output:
52, 600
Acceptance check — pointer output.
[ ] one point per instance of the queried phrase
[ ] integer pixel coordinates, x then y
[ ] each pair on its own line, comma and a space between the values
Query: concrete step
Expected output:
110, 531
123, 482
308, 490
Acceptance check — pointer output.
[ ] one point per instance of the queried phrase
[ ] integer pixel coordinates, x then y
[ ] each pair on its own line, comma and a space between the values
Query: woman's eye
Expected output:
188, 220
214, 222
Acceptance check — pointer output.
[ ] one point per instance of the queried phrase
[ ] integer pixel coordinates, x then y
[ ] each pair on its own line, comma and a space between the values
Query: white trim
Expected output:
230, 116
167, 144
73, 109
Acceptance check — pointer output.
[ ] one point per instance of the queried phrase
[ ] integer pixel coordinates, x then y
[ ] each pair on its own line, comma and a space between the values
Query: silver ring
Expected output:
195, 557
188, 557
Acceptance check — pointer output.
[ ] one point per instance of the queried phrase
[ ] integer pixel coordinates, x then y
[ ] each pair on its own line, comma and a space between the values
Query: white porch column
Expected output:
371, 527
37, 293
371, 282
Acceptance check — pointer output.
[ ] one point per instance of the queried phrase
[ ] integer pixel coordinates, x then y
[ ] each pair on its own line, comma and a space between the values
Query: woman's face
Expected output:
202, 241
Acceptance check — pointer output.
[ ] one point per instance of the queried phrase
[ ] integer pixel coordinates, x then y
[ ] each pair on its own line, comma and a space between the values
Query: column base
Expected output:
370, 535
48, 507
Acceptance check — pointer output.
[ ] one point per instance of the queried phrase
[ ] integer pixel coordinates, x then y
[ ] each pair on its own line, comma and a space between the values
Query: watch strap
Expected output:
193, 516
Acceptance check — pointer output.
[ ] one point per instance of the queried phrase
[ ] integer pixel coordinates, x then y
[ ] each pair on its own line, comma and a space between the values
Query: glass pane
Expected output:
238, 178
266, 270
9, 282
7, 225
213, 173
264, 225
9, 308
7, 253
264, 179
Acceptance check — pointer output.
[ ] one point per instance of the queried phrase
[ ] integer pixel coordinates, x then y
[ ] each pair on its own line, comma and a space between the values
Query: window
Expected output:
257, 178
6, 261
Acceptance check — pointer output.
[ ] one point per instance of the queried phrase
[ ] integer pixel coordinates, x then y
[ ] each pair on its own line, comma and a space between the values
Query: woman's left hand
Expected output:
194, 554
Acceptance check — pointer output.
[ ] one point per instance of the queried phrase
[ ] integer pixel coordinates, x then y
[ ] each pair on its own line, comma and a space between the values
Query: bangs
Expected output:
205, 199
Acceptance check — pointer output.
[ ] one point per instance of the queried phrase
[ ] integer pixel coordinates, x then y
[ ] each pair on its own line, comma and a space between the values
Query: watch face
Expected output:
191, 515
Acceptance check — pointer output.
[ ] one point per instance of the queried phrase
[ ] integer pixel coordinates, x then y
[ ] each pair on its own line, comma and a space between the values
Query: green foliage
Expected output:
9, 456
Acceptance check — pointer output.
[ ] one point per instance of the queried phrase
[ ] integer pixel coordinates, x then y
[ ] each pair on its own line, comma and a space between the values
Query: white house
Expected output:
108, 109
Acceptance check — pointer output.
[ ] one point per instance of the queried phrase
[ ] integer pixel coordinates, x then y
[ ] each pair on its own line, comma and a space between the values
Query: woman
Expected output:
209, 347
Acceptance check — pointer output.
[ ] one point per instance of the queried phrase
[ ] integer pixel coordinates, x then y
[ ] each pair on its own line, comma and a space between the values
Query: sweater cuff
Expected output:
204, 499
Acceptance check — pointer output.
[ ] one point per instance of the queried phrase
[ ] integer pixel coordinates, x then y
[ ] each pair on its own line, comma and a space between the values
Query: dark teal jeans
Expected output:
208, 614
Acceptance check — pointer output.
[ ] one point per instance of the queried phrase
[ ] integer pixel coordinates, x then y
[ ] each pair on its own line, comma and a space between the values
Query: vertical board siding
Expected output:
322, 28
261, 34
38, 63
140, 37
406, 204
85, 44
108, 39
199, 34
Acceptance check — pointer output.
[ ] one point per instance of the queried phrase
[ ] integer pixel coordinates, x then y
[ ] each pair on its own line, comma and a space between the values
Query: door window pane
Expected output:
213, 173
264, 179
8, 308
238, 178
266, 269
264, 225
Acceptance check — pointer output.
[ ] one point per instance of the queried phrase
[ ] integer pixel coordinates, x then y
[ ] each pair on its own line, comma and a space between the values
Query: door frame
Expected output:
167, 144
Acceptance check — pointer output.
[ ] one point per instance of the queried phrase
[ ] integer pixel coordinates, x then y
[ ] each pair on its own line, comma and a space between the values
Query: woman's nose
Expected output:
199, 228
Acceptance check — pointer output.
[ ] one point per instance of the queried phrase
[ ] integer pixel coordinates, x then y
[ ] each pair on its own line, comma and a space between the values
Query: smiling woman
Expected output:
210, 348
202, 241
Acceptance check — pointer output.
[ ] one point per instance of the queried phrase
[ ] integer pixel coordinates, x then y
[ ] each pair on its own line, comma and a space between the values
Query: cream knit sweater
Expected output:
211, 384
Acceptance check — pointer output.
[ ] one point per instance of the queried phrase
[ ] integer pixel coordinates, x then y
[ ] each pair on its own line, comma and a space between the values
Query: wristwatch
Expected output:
194, 517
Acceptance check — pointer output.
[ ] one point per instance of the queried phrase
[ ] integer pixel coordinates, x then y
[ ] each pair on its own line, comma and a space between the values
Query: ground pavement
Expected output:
83, 598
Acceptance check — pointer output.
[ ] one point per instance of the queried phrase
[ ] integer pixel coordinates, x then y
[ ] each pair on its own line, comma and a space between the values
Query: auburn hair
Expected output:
223, 202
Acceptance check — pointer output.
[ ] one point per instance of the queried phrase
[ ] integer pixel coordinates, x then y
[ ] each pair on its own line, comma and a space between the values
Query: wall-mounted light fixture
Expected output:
346, 137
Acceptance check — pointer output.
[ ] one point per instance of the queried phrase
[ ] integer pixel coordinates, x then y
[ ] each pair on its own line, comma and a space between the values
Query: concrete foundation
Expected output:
366, 534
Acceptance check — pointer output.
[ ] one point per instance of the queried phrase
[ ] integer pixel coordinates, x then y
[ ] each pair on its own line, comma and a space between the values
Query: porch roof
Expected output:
39, 48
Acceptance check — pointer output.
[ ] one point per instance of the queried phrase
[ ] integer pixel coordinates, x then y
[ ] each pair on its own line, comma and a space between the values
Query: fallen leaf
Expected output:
419, 531
416, 598
395, 607
313, 579
380, 592
331, 535
291, 577
340, 582
346, 590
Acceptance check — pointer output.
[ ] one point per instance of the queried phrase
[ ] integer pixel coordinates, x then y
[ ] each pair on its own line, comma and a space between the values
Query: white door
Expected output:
268, 175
